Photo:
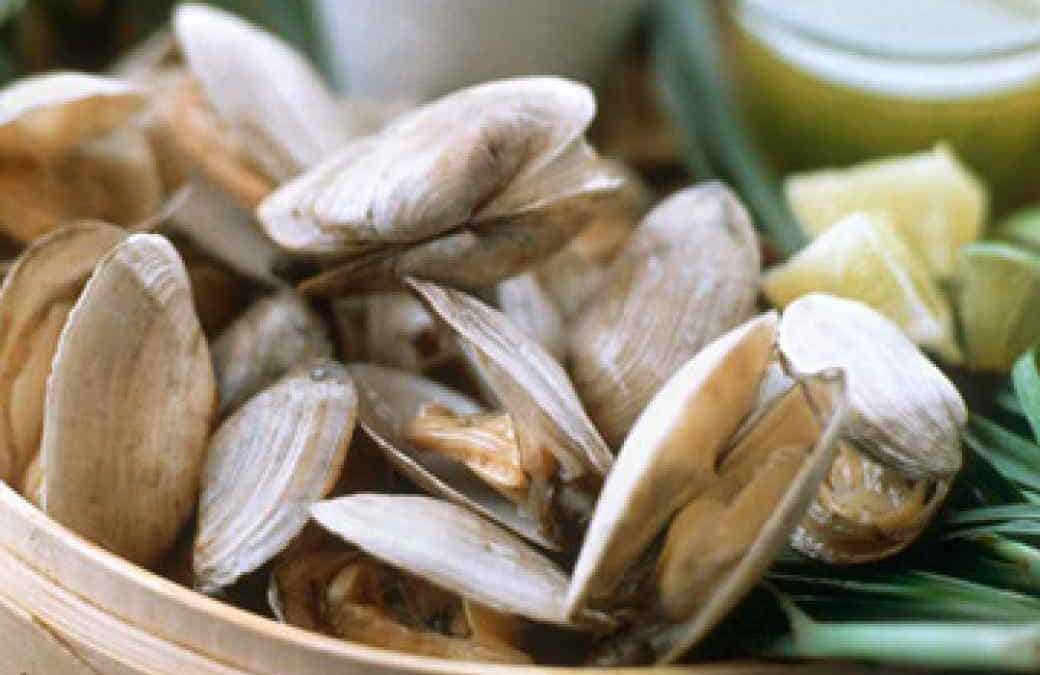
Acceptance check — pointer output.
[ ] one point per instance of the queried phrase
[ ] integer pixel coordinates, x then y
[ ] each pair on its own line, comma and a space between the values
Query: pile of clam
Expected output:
433, 373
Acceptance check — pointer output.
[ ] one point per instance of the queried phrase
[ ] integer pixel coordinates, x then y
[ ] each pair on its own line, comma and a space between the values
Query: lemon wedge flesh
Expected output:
862, 257
933, 201
998, 298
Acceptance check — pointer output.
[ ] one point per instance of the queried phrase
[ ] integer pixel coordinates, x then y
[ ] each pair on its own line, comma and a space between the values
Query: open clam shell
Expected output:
777, 509
268, 94
905, 413
281, 452
733, 481
688, 274
130, 401
37, 295
452, 548
671, 454
533, 388
389, 400
45, 116
466, 204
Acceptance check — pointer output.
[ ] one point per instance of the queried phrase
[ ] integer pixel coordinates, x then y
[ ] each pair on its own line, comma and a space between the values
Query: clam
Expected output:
456, 550
113, 177
70, 153
129, 403
279, 453
37, 295
901, 446
275, 334
688, 274
527, 304
45, 116
258, 95
557, 442
399, 332
390, 402
354, 597
721, 483
464, 203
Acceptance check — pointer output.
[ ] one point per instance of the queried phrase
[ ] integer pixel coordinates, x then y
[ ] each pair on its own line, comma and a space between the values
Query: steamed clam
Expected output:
48, 115
281, 451
390, 403
68, 151
726, 495
455, 550
558, 445
129, 403
901, 446
35, 300
463, 204
355, 597
688, 274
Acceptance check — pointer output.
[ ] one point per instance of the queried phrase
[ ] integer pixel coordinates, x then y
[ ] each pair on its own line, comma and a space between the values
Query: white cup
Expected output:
418, 49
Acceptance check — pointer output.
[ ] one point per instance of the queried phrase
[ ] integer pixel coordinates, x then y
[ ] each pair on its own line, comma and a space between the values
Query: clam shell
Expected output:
389, 400
275, 334
905, 413
124, 165
433, 169
269, 95
213, 223
471, 257
775, 501
279, 453
129, 404
671, 454
526, 303
35, 301
400, 332
530, 384
47, 115
688, 274
452, 548
194, 138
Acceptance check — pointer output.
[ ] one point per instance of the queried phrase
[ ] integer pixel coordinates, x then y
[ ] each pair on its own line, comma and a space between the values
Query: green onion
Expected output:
996, 646
689, 60
1026, 380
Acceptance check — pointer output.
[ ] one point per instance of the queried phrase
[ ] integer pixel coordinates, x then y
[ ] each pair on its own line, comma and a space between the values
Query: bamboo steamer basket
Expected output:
67, 607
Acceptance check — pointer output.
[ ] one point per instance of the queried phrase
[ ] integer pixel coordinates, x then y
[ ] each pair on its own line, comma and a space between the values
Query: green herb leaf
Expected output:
1026, 381
1014, 457
990, 514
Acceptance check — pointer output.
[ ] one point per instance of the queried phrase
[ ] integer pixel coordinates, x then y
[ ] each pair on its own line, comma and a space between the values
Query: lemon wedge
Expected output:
862, 257
933, 200
998, 300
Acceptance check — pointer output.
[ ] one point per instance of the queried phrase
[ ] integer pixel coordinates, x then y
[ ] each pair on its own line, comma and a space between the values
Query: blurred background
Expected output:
745, 90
